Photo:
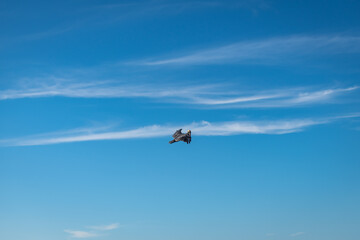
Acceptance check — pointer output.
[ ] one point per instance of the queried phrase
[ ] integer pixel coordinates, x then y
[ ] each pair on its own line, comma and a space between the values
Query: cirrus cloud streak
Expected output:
203, 128
80, 234
265, 51
209, 95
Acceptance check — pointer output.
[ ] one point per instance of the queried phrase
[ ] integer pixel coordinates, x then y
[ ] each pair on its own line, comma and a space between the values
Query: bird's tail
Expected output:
172, 141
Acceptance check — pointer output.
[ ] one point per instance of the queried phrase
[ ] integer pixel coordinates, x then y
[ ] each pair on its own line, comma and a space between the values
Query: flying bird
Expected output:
179, 136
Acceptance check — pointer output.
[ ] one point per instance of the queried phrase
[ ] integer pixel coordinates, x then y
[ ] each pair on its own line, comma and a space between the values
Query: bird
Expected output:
179, 136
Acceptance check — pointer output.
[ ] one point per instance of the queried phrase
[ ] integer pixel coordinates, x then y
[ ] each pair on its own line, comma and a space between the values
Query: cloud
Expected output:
101, 89
103, 14
80, 234
47, 33
296, 234
105, 227
208, 95
269, 51
95, 233
320, 95
275, 98
203, 128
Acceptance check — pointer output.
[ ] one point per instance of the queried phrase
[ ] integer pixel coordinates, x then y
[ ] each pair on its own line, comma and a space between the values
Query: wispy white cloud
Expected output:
293, 98
47, 33
210, 95
105, 227
102, 89
320, 95
269, 51
98, 15
80, 234
96, 229
203, 128
296, 234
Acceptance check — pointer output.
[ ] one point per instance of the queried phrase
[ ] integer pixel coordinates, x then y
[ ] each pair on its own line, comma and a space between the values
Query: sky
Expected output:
91, 92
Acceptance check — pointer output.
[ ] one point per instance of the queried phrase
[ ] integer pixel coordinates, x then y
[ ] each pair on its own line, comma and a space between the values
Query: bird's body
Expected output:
179, 136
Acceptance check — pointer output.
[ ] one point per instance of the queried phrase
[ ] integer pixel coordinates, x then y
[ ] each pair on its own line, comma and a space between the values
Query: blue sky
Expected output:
91, 92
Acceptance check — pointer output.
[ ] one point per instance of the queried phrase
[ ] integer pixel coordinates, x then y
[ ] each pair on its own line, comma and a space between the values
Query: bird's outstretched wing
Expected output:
177, 133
